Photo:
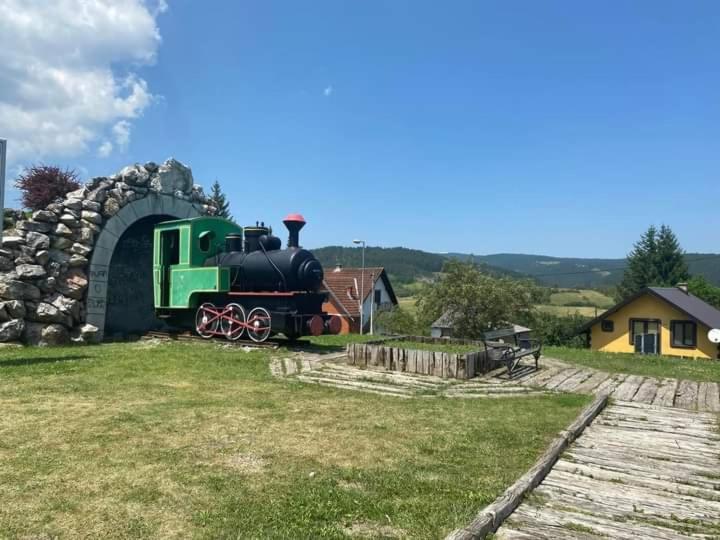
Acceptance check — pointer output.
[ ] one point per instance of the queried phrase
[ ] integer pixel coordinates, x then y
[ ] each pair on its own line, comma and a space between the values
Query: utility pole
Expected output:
362, 285
3, 157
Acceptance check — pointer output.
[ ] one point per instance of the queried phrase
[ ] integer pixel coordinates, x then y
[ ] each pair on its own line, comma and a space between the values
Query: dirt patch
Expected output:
245, 463
367, 529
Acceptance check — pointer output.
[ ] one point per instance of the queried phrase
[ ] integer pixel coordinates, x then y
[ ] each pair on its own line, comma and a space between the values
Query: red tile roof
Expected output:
341, 282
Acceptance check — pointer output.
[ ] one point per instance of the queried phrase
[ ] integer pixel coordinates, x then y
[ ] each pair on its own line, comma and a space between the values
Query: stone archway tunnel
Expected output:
82, 266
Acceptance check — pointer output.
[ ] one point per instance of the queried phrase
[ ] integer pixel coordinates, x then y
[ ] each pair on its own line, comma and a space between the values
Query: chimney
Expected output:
338, 267
294, 222
683, 287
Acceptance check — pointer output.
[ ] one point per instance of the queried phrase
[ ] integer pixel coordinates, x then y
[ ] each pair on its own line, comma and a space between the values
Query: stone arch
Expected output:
54, 267
99, 272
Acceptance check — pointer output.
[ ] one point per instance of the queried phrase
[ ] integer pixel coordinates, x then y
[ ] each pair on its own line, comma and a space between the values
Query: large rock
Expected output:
70, 220
36, 240
42, 257
91, 205
134, 175
12, 241
77, 194
30, 271
92, 217
55, 334
14, 308
11, 330
80, 249
34, 226
6, 264
49, 313
45, 215
60, 242
111, 207
172, 176
73, 284
85, 236
74, 204
12, 289
87, 333
63, 230
77, 261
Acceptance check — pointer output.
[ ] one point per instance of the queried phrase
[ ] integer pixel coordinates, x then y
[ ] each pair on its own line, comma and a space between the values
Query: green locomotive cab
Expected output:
180, 250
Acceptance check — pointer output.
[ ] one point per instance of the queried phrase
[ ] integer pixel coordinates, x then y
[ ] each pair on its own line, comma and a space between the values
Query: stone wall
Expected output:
44, 260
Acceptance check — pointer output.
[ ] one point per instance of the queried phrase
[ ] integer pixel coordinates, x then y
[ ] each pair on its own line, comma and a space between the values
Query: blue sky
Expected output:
557, 128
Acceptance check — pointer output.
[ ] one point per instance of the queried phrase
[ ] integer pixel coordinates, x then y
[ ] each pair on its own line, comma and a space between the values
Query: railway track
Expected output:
189, 336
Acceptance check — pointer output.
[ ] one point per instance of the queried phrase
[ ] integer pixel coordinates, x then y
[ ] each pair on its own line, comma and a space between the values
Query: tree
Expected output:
475, 301
656, 260
219, 200
41, 185
705, 290
397, 321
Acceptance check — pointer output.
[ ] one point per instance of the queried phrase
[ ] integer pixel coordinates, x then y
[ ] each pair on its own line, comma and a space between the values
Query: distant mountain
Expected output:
406, 266
403, 265
583, 273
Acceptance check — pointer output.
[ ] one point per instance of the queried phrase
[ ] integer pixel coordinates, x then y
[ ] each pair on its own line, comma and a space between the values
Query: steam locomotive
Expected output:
225, 280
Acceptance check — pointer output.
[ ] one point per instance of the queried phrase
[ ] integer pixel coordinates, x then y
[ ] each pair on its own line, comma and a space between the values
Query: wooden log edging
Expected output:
381, 353
490, 518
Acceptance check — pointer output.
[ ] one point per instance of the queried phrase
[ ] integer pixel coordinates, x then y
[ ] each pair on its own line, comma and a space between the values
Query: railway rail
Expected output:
189, 336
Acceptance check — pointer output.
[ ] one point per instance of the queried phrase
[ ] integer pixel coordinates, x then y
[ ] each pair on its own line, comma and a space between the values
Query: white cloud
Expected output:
328, 90
105, 149
60, 63
121, 132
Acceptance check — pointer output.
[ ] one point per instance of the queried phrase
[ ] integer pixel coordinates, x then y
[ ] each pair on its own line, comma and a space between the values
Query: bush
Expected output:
559, 330
41, 185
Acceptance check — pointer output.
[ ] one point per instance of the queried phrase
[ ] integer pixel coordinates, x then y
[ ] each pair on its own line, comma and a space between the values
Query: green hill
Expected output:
404, 266
584, 273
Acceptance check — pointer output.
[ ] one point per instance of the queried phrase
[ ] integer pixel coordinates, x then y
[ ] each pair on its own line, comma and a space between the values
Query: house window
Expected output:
607, 326
683, 334
378, 297
645, 335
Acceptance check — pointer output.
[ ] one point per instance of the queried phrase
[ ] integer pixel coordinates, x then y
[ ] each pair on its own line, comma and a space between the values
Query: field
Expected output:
636, 364
198, 440
581, 297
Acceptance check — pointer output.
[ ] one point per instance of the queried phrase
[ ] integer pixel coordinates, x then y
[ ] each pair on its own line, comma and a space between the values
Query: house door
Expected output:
646, 336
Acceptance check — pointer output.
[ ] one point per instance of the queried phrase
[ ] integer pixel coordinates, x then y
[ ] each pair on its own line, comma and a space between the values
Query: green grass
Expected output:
188, 440
585, 311
636, 364
435, 347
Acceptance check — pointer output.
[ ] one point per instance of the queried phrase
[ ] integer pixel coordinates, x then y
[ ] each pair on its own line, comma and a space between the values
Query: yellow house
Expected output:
657, 320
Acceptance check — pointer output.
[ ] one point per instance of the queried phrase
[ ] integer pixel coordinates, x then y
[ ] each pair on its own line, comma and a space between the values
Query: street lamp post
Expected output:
362, 284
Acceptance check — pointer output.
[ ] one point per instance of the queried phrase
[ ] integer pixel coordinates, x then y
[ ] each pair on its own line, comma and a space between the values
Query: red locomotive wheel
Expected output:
233, 322
207, 320
259, 327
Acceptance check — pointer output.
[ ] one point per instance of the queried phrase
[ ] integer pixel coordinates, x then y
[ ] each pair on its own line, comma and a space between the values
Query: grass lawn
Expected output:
637, 364
188, 440
409, 304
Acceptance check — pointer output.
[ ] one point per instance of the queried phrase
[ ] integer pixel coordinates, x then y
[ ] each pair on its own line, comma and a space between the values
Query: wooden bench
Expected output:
510, 353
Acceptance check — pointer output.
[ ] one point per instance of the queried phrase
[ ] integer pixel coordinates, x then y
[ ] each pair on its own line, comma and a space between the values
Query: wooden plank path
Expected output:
638, 471
330, 370
557, 376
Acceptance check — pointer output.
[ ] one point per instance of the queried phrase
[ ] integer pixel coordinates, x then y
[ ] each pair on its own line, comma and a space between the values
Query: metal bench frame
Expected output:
510, 354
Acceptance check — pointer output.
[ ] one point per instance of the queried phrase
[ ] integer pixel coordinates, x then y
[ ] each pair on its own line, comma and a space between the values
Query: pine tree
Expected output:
219, 200
671, 266
656, 260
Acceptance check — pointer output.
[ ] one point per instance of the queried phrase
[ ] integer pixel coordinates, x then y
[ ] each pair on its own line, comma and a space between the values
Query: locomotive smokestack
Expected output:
294, 222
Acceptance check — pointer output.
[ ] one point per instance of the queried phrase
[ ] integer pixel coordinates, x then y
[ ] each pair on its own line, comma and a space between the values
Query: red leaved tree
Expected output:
42, 184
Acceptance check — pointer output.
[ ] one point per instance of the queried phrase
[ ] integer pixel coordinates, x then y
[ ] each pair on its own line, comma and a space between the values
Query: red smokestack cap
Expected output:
294, 222
297, 218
